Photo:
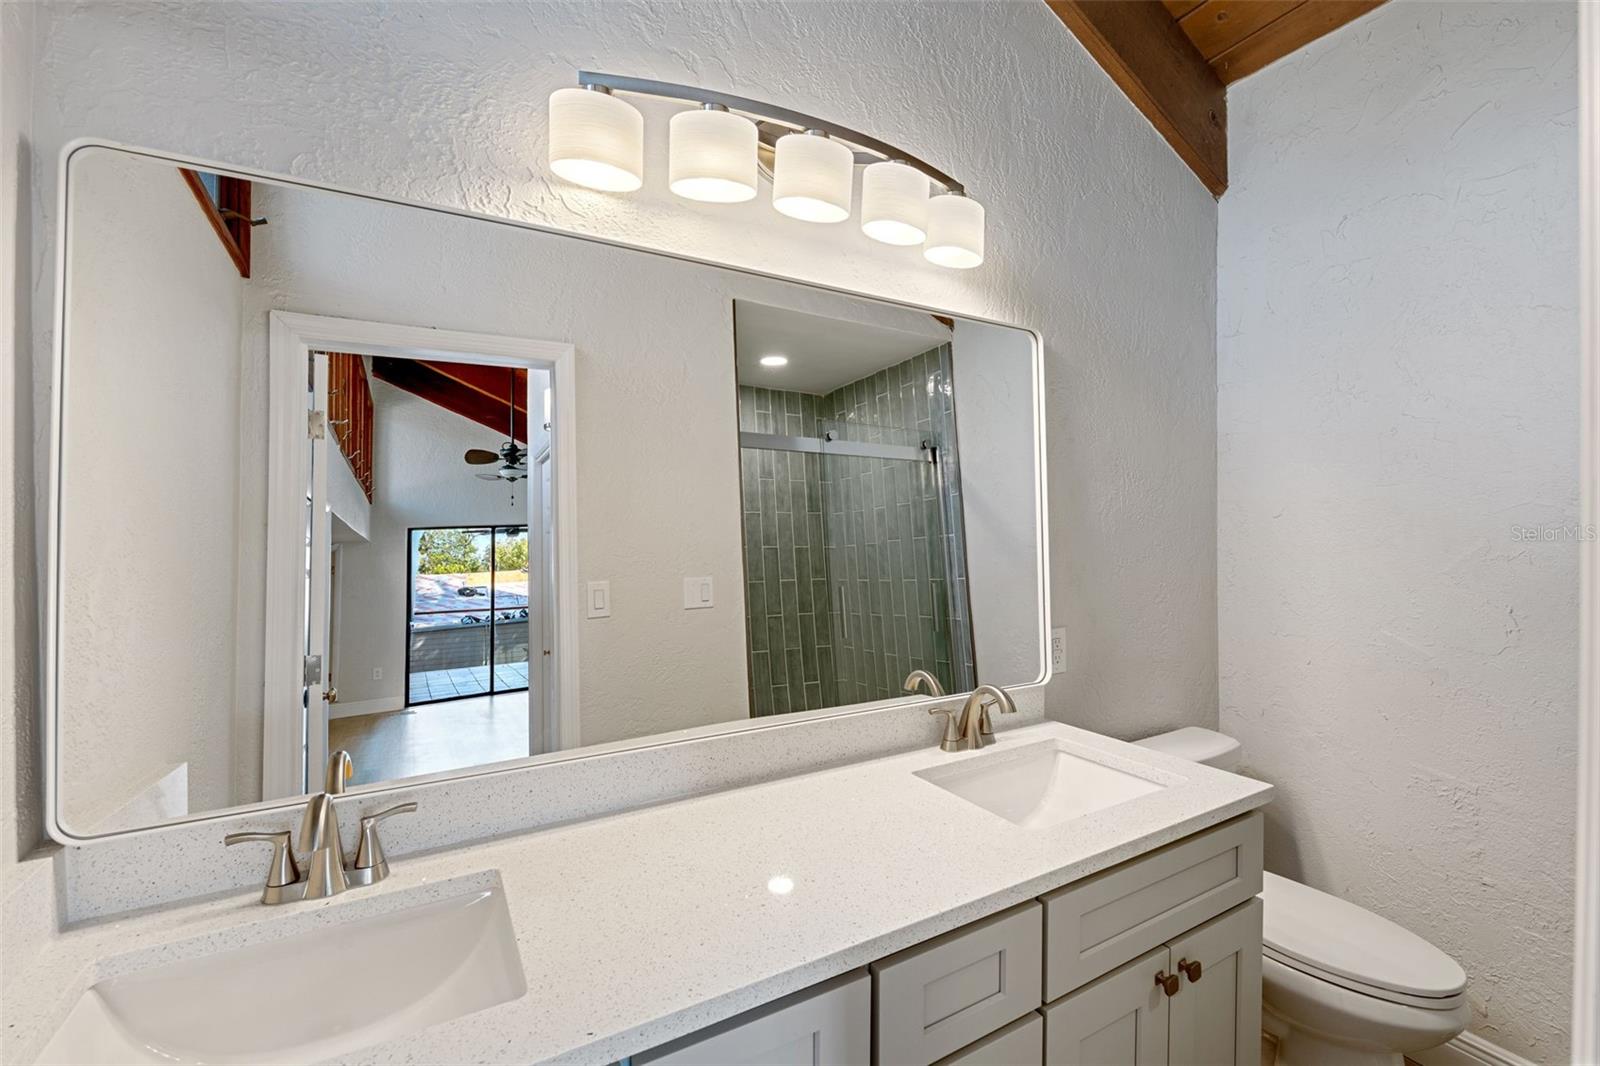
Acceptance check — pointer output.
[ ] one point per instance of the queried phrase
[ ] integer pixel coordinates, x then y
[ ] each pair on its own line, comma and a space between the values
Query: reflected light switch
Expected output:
697, 593
599, 599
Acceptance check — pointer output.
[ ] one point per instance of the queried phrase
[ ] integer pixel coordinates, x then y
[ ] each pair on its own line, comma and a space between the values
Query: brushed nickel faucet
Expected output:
971, 728
319, 833
922, 679
326, 872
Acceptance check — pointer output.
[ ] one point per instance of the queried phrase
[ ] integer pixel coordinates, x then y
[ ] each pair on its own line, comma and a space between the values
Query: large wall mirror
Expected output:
450, 494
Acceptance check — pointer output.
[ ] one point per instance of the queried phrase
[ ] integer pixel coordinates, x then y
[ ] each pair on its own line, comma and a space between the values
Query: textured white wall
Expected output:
420, 481
149, 517
1098, 235
21, 785
1397, 381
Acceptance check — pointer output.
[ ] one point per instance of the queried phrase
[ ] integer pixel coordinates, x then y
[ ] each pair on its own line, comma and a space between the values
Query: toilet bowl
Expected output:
1340, 986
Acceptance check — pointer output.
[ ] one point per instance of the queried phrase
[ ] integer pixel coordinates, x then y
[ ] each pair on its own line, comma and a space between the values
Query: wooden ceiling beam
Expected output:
1294, 29
1154, 63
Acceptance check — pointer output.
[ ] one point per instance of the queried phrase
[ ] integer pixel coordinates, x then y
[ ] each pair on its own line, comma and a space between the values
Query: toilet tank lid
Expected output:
1337, 937
1197, 745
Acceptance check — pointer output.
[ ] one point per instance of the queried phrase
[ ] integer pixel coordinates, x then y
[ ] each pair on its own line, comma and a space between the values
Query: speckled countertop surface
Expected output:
639, 927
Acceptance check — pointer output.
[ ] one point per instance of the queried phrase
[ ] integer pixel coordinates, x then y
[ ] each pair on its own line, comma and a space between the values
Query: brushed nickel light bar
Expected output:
717, 150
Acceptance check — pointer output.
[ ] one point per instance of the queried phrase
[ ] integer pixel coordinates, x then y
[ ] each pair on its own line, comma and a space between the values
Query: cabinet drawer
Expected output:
827, 1025
1019, 1044
1101, 922
943, 994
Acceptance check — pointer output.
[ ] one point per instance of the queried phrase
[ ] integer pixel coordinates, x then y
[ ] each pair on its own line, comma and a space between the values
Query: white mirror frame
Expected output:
51, 628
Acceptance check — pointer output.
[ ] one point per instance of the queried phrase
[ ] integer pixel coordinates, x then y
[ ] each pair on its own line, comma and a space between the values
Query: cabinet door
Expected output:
1118, 1020
1217, 1018
828, 1025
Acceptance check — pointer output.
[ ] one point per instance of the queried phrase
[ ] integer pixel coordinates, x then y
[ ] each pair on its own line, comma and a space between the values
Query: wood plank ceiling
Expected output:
1175, 58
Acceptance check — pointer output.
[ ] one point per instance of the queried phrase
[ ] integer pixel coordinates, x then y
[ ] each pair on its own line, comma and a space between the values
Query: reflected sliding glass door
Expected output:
467, 631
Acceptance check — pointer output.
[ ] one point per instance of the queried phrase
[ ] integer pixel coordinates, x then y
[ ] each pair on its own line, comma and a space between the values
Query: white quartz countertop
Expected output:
640, 927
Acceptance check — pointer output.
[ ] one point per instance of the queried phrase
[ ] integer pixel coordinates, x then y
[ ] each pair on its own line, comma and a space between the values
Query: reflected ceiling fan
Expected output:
512, 457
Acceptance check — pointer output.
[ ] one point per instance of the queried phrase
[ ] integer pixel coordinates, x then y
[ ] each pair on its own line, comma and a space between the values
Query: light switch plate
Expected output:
1058, 650
599, 599
697, 593
377, 673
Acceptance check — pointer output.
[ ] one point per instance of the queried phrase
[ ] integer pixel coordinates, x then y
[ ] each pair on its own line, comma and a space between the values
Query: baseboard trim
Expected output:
378, 706
1469, 1049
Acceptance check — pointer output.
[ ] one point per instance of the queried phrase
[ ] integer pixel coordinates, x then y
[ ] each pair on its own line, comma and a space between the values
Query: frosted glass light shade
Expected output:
955, 232
894, 203
712, 156
596, 140
812, 178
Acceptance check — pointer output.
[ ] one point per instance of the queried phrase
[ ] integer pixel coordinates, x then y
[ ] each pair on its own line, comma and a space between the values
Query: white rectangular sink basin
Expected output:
1039, 785
307, 996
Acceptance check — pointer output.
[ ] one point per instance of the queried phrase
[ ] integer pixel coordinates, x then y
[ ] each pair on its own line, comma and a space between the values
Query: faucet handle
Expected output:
1003, 701
952, 733
283, 873
371, 866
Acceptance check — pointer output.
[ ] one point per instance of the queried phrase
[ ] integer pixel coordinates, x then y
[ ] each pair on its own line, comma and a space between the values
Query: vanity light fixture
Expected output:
813, 177
596, 140
955, 231
716, 151
774, 360
894, 203
712, 155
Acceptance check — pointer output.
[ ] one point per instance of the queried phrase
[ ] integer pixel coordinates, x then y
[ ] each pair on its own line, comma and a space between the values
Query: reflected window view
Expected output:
468, 626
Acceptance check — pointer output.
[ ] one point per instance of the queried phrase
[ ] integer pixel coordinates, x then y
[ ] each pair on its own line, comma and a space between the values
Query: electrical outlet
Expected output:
1058, 650
377, 673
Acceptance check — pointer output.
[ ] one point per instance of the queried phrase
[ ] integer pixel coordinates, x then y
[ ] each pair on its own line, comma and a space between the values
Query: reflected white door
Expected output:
543, 692
318, 571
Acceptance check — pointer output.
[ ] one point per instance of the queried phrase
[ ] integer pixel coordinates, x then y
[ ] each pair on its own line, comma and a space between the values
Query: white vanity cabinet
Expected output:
1128, 1017
1154, 962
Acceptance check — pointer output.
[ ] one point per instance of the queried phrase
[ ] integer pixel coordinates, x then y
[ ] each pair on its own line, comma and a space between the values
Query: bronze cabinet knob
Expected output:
1167, 982
1191, 970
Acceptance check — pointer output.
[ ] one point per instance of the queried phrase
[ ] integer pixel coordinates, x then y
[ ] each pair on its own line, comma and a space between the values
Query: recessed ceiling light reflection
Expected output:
780, 885
774, 360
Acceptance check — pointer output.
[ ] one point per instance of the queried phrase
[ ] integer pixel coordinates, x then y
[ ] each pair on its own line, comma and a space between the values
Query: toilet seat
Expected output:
1336, 941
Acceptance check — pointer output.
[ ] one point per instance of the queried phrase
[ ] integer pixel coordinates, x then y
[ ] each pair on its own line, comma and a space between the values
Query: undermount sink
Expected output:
307, 996
1039, 785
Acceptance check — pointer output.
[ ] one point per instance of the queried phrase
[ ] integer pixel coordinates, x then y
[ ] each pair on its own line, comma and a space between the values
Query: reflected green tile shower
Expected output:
855, 567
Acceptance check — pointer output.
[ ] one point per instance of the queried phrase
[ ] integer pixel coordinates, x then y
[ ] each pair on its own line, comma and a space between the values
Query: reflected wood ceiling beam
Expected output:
1157, 66
458, 388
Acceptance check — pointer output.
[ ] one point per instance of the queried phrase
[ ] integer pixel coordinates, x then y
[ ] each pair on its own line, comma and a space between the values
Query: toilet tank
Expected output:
1197, 745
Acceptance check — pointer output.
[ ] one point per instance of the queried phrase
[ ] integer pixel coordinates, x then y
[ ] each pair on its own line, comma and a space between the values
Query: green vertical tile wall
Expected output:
790, 634
854, 567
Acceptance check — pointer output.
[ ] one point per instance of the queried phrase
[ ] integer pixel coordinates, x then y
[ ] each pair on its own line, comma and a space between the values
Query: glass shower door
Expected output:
887, 552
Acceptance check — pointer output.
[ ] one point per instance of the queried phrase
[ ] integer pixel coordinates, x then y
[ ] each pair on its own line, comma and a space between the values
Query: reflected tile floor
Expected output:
433, 738
429, 685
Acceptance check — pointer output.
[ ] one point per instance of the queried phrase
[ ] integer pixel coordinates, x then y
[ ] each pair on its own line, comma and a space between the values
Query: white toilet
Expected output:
1340, 985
